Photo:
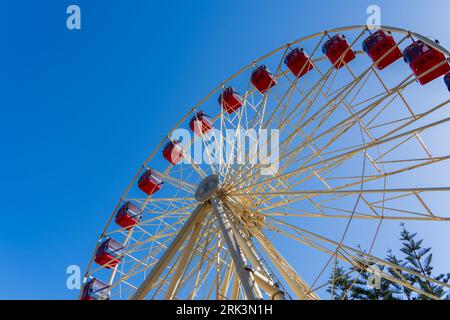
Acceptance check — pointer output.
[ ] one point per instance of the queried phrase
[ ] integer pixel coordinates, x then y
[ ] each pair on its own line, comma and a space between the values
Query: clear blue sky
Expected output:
80, 110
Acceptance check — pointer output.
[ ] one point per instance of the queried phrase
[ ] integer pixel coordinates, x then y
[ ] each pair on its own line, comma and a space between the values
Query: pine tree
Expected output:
418, 259
415, 257
381, 289
342, 283
403, 291
362, 286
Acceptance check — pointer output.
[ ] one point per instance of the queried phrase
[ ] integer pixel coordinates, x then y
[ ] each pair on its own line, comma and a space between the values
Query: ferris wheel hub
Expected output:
207, 188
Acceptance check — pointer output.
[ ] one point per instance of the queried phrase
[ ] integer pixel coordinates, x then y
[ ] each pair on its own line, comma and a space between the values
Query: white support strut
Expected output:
197, 217
248, 282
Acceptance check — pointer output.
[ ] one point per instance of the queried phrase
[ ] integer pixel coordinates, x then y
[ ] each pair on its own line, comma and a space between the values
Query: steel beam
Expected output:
197, 216
248, 282
187, 253
261, 275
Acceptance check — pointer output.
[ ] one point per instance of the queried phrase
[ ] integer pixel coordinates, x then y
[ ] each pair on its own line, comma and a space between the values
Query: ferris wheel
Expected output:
356, 118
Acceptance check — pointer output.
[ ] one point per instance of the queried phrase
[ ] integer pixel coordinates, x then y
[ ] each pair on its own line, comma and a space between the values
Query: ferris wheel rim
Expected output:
249, 66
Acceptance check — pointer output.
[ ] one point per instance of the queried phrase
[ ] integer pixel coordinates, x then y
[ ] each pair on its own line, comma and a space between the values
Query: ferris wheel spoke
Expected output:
322, 81
196, 167
408, 214
254, 123
417, 118
196, 251
393, 173
357, 258
240, 117
361, 179
166, 205
207, 255
257, 174
287, 199
327, 211
223, 289
414, 216
313, 147
357, 191
229, 169
294, 281
201, 281
185, 256
294, 84
142, 244
294, 197
278, 74
340, 94
218, 278
251, 104
281, 124
311, 144
350, 153
306, 143
354, 116
202, 265
350, 137
183, 184
126, 275
195, 218
163, 201
201, 270
310, 104
361, 265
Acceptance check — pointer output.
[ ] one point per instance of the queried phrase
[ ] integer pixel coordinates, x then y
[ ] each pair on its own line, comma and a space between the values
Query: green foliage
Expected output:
366, 280
342, 282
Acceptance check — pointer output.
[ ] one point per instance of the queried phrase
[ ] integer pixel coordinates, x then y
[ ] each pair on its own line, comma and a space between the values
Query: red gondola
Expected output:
421, 58
150, 182
447, 80
173, 151
230, 100
338, 51
128, 215
377, 45
95, 290
200, 123
298, 62
109, 253
262, 79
